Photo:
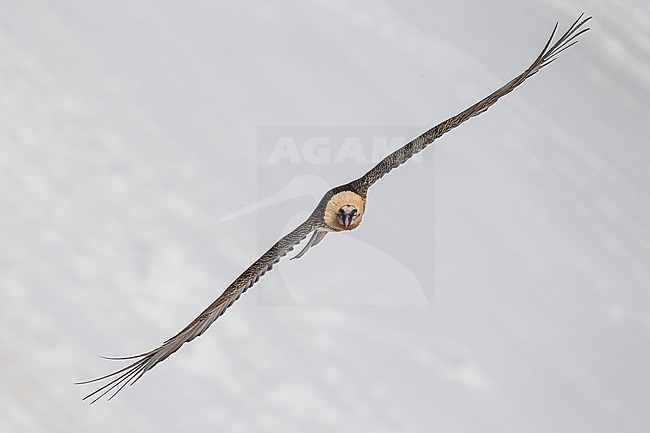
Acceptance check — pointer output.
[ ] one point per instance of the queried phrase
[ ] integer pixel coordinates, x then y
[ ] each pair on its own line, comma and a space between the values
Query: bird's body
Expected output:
341, 209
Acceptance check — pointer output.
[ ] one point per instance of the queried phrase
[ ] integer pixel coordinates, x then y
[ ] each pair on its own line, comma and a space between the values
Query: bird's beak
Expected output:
346, 217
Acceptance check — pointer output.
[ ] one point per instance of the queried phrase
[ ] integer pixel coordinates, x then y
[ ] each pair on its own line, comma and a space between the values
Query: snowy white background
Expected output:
128, 130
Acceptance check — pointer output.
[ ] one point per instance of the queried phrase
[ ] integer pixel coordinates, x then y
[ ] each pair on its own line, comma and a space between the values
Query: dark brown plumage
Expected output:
341, 208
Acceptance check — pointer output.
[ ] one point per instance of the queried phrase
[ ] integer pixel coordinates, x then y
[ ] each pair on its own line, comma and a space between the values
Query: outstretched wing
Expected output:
148, 360
402, 154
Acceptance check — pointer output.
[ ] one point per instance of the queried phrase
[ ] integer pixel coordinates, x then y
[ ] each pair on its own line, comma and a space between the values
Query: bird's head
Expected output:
344, 211
346, 215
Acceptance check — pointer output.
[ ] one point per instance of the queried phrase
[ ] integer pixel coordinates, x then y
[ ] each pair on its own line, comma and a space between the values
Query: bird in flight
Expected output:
341, 209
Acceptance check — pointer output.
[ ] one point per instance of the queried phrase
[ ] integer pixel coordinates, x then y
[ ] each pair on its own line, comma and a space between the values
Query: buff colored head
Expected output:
344, 211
